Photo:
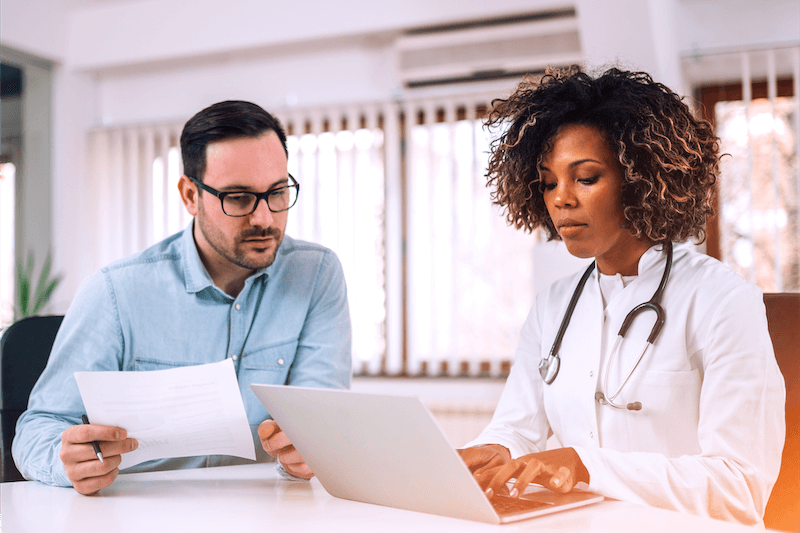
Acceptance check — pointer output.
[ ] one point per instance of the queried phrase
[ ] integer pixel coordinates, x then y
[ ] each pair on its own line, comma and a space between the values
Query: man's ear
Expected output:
189, 194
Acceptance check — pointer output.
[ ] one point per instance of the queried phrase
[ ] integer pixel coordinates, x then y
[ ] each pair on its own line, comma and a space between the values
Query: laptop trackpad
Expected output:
507, 506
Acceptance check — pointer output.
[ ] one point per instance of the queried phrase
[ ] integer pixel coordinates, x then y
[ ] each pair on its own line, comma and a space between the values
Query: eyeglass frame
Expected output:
259, 195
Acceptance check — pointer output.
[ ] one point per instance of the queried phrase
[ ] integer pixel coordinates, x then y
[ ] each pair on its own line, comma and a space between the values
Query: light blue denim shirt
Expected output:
160, 309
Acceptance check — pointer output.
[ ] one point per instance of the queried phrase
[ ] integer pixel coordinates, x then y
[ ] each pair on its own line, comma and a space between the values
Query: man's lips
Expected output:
261, 237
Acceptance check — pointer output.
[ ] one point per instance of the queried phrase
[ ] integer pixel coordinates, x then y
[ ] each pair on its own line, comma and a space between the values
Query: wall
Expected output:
33, 144
38, 27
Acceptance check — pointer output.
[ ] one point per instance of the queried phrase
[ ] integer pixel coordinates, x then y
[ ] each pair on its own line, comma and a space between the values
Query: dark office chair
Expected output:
783, 315
24, 349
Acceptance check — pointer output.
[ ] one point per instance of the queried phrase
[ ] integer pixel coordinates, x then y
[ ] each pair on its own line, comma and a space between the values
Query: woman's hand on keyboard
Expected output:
558, 470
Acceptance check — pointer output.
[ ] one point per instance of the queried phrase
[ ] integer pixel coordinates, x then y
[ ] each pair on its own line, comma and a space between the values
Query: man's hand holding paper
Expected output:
87, 473
180, 412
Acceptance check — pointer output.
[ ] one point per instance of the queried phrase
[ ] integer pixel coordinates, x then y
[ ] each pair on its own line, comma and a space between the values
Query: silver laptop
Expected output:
389, 450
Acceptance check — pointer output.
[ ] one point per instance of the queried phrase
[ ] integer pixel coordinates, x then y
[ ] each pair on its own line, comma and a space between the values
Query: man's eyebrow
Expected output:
236, 187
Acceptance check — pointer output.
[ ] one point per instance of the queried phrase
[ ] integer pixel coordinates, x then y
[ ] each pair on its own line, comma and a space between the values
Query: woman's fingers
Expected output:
496, 485
533, 469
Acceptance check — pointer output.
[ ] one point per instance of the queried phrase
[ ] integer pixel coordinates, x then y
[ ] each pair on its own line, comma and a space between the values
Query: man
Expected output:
231, 285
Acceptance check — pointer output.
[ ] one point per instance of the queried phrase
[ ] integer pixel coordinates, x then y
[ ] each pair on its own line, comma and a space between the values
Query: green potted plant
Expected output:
30, 299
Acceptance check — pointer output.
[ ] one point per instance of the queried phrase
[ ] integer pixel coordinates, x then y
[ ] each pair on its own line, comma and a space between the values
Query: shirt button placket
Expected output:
235, 318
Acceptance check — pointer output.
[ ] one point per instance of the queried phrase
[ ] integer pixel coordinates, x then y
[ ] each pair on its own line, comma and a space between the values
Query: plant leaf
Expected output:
41, 285
24, 286
30, 300
43, 295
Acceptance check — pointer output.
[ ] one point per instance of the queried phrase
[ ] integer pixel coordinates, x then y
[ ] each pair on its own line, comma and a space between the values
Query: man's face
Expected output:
249, 242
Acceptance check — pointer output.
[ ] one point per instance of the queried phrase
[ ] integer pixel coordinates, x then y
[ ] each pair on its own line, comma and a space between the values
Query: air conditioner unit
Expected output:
488, 49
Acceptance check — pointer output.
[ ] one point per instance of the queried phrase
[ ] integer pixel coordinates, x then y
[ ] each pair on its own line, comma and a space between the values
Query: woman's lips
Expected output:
569, 227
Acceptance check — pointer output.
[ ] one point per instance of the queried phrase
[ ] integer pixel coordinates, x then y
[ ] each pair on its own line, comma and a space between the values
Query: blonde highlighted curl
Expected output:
670, 159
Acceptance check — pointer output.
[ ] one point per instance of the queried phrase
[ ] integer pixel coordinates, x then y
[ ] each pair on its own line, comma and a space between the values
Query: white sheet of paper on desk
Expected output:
179, 412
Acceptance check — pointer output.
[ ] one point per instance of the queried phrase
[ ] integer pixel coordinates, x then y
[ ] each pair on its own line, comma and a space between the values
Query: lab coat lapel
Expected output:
580, 358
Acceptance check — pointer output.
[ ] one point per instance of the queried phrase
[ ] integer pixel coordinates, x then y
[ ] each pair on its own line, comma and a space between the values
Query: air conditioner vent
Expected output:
488, 49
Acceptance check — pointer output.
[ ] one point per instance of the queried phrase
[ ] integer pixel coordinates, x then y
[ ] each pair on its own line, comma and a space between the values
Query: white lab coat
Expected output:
709, 436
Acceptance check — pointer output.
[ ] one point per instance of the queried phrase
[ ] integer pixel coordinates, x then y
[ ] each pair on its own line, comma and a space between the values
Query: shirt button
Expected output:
591, 373
281, 361
234, 357
237, 306
591, 434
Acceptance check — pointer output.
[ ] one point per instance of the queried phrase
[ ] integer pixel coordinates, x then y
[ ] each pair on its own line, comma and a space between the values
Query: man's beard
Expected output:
234, 252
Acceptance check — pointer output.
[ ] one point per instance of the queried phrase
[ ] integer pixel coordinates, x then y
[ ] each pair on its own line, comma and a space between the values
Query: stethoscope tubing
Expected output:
549, 366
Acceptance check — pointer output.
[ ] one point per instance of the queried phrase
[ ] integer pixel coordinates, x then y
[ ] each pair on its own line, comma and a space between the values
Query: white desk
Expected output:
254, 498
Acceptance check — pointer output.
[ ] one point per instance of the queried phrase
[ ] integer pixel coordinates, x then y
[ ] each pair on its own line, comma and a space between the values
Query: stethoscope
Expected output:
549, 366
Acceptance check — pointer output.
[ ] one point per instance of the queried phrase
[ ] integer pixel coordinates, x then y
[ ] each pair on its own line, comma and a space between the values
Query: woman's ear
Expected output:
189, 194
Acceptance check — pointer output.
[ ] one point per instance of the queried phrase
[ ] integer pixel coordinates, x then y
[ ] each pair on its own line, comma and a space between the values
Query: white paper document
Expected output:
179, 412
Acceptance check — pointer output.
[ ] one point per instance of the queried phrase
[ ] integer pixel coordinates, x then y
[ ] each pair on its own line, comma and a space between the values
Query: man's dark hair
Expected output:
232, 119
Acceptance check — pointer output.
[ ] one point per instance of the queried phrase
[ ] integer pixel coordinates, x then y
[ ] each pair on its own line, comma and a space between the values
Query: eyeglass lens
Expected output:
244, 203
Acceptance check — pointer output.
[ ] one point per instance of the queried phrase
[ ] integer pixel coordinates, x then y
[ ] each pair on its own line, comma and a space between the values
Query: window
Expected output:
469, 276
341, 206
169, 213
7, 267
756, 229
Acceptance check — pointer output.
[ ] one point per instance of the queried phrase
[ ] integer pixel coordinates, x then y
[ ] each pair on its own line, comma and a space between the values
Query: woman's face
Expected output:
582, 182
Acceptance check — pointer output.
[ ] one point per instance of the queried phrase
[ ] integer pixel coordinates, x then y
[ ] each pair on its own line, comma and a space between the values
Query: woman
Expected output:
619, 169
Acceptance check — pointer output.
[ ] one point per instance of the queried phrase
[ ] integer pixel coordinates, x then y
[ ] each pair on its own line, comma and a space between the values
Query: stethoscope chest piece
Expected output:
548, 368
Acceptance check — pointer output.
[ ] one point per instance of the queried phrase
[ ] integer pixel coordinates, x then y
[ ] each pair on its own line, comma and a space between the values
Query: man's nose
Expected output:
262, 216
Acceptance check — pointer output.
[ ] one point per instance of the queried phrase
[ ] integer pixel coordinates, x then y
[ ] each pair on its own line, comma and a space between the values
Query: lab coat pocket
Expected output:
670, 403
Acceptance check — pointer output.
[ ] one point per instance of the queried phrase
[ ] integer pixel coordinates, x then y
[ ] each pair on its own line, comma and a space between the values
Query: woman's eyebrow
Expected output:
574, 163
582, 161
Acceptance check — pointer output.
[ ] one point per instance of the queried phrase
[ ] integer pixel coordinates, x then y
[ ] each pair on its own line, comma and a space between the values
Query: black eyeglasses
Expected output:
243, 203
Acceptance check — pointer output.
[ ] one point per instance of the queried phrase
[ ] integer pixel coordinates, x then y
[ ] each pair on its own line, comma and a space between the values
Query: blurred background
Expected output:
383, 104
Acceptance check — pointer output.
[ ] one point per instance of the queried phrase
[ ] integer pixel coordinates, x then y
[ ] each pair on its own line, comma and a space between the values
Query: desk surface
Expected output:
256, 498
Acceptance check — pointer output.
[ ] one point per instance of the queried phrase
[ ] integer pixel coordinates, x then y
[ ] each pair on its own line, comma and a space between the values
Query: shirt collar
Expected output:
651, 258
654, 256
195, 273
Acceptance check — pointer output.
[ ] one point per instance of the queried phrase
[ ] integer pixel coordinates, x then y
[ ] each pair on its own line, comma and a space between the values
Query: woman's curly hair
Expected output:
669, 159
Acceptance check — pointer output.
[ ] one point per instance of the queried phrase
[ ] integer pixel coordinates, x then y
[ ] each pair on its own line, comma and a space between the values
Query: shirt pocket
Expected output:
268, 365
275, 357
142, 364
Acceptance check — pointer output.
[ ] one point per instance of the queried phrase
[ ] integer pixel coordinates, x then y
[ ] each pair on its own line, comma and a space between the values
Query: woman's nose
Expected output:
563, 195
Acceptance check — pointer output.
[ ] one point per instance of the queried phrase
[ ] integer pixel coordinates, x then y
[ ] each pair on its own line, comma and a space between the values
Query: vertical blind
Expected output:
437, 282
468, 275
337, 155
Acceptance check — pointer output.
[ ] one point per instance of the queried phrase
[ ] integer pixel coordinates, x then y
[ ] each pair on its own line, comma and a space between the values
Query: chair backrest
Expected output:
783, 316
24, 349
